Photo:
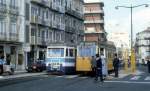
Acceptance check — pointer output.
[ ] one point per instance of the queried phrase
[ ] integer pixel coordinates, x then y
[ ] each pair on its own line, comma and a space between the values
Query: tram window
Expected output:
71, 52
67, 52
56, 52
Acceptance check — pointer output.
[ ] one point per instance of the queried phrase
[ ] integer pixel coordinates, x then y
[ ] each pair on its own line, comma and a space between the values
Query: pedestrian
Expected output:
99, 68
2, 62
104, 65
116, 65
93, 66
148, 65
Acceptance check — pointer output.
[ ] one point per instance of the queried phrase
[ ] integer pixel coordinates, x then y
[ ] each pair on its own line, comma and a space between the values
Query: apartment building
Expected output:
52, 23
94, 23
12, 32
143, 45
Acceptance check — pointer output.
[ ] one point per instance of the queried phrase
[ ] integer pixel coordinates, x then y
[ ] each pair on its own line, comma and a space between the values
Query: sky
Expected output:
119, 20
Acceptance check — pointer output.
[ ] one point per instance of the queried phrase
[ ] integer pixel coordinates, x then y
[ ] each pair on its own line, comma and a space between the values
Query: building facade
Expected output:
94, 23
52, 23
143, 45
12, 31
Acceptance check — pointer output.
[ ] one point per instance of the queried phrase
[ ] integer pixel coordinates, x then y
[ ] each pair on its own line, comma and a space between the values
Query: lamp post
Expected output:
133, 66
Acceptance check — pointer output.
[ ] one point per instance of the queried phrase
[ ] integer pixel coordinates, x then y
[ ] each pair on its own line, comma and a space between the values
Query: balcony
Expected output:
33, 19
70, 29
45, 22
54, 24
32, 39
36, 19
94, 11
62, 26
3, 9
95, 21
3, 36
55, 7
44, 41
41, 2
13, 37
14, 10
39, 41
74, 13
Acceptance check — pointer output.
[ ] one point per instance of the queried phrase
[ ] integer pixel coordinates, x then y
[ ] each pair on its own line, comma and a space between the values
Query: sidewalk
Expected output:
20, 74
123, 73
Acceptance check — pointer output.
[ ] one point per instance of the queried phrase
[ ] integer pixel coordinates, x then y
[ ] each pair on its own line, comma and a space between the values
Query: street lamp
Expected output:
132, 51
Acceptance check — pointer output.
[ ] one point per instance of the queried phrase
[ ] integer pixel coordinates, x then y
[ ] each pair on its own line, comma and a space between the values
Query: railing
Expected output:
13, 9
94, 11
3, 36
74, 13
95, 21
13, 37
41, 2
3, 8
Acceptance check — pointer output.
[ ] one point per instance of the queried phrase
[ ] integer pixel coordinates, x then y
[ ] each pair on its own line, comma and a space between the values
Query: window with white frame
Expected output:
13, 29
2, 27
2, 1
13, 3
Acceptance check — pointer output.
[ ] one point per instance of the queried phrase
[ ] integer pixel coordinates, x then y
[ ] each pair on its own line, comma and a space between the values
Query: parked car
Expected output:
37, 66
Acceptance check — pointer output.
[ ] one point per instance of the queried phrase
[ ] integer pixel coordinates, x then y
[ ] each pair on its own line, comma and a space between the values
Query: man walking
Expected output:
98, 68
116, 65
148, 65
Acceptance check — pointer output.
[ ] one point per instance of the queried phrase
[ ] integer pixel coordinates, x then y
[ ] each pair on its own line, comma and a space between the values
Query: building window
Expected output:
27, 11
27, 34
2, 1
13, 3
2, 27
32, 32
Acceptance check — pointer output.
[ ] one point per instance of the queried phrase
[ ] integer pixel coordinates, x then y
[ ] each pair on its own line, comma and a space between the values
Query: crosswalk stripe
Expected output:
147, 78
59, 76
72, 76
135, 78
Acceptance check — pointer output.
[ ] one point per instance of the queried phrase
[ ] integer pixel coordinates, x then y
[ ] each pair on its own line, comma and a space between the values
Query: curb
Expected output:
21, 76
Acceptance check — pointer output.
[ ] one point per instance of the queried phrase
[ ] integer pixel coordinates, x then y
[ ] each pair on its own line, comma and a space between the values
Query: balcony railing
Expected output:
13, 10
74, 13
3, 36
3, 8
42, 2
13, 37
94, 11
95, 21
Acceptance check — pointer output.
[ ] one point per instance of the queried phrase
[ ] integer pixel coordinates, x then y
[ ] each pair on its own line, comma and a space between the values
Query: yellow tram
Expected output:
86, 50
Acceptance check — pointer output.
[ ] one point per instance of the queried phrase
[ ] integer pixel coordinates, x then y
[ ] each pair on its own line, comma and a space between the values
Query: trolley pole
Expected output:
133, 60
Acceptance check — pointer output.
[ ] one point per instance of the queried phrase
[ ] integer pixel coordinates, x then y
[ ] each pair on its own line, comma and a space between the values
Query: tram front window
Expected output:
56, 52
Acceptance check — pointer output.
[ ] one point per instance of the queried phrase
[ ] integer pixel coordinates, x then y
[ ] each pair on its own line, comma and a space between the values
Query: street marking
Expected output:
123, 75
71, 76
59, 76
127, 82
135, 78
147, 78
83, 77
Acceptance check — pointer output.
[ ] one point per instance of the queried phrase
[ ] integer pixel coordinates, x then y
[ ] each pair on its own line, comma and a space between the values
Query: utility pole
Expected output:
133, 61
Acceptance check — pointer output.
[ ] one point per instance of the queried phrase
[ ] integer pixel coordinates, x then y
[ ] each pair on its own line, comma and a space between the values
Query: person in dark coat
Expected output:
98, 68
116, 65
148, 65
